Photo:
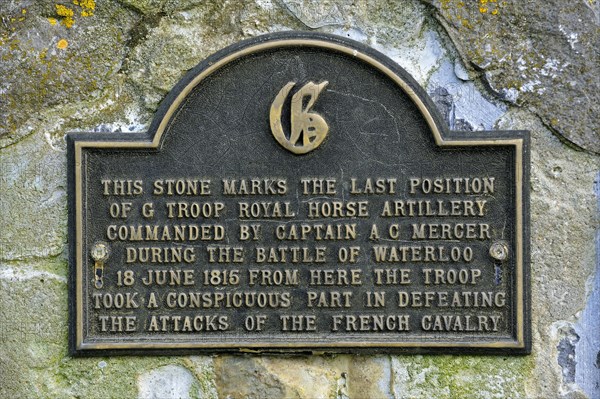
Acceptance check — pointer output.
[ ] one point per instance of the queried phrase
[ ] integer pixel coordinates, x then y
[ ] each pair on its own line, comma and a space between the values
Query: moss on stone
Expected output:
455, 377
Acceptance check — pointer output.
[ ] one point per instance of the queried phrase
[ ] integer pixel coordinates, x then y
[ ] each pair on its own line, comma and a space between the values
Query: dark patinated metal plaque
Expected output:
298, 192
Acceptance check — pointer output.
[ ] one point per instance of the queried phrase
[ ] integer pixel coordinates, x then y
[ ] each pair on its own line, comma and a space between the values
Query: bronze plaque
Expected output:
298, 192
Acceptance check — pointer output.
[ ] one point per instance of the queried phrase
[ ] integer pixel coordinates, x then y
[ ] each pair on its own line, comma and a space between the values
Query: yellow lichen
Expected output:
88, 7
62, 44
52, 21
490, 6
482, 8
64, 11
24, 11
67, 15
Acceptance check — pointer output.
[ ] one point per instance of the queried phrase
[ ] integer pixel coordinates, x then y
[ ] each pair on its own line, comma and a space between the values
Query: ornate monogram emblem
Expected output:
308, 125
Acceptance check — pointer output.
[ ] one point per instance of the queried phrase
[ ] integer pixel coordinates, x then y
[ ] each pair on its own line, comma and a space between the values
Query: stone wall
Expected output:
105, 65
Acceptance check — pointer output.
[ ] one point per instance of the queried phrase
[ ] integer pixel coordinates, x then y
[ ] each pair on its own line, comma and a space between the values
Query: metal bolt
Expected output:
499, 251
99, 252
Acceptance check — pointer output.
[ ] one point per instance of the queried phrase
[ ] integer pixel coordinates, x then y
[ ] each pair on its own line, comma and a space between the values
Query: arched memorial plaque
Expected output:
298, 192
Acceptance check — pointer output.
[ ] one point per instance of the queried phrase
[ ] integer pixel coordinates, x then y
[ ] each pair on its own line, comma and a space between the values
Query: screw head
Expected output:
499, 251
100, 252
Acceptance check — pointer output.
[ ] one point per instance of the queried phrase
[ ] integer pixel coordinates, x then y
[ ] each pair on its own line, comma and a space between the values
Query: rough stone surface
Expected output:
50, 59
35, 176
563, 258
33, 337
167, 382
540, 54
108, 71
587, 352
303, 377
451, 377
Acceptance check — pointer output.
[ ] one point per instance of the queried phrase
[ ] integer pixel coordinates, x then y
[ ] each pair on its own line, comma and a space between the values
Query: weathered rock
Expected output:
540, 54
242, 377
564, 218
189, 36
115, 66
56, 53
160, 6
304, 377
34, 194
167, 382
33, 362
33, 337
459, 377
33, 329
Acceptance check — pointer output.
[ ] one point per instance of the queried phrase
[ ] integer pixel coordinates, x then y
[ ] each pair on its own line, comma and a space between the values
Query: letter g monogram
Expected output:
311, 126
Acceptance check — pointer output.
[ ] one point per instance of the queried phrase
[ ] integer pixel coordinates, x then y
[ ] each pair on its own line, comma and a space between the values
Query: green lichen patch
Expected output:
457, 377
34, 362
